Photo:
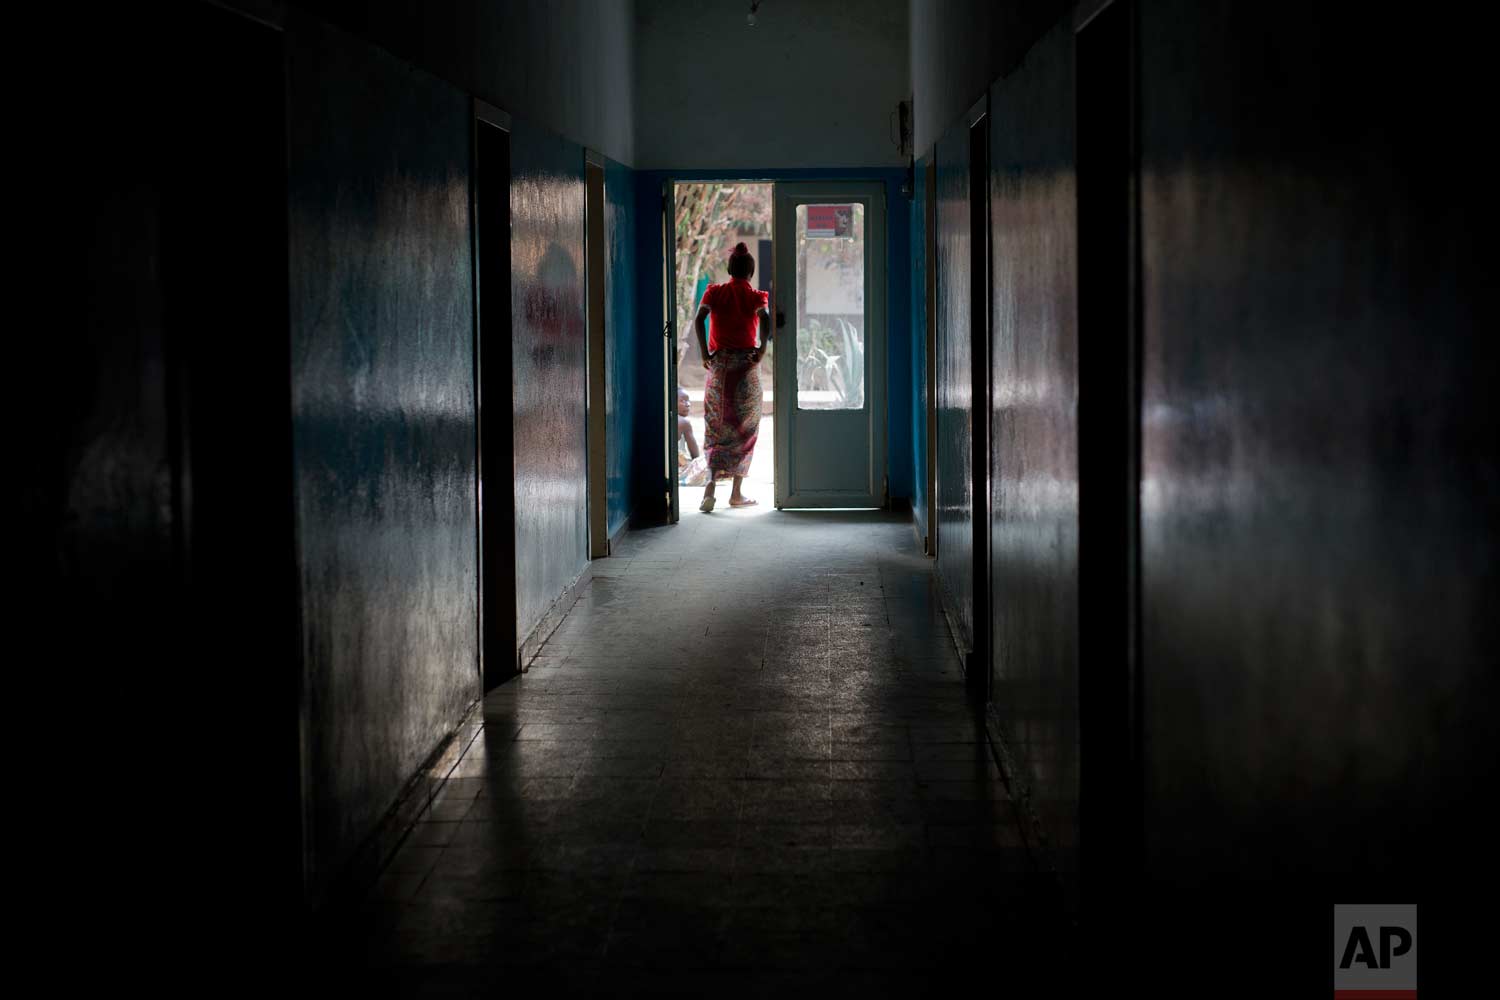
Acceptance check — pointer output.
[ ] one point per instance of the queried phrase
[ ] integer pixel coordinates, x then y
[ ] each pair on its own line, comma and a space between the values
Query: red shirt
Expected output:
733, 309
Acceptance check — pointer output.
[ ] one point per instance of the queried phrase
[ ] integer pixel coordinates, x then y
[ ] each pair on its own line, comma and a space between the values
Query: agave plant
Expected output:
815, 363
848, 379
832, 359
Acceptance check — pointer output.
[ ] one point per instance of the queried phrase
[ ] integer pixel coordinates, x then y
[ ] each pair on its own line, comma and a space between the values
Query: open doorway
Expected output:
709, 218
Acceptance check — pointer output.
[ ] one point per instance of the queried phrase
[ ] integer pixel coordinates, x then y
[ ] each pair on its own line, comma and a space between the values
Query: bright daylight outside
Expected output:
711, 218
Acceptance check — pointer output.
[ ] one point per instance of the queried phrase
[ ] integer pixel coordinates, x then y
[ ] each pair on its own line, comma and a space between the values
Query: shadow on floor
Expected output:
743, 764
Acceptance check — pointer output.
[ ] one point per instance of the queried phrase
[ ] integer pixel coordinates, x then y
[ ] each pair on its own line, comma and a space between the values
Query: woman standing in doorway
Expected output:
732, 353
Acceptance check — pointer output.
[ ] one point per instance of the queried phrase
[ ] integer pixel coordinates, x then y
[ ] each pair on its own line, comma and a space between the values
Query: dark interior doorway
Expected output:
494, 366
598, 403
929, 179
1110, 783
980, 667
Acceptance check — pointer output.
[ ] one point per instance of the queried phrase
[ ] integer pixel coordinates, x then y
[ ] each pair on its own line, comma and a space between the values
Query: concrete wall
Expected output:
814, 84
959, 47
565, 63
383, 409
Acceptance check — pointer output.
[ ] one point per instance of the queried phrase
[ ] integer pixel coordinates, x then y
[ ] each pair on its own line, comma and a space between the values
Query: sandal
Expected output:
744, 503
707, 505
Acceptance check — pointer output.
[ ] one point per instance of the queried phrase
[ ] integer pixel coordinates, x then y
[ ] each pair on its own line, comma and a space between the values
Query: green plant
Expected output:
850, 383
828, 358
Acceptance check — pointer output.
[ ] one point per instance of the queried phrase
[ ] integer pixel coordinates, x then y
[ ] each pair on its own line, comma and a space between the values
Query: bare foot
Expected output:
741, 502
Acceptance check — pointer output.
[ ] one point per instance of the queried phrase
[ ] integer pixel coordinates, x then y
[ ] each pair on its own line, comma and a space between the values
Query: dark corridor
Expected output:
346, 503
792, 796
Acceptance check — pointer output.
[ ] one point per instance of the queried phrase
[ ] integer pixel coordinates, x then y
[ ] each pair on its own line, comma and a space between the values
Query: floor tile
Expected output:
757, 782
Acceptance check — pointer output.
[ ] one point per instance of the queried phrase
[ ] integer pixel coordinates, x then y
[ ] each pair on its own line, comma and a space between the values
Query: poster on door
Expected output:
828, 221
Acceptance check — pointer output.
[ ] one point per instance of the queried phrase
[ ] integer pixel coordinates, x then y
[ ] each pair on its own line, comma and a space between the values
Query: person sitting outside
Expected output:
684, 425
692, 467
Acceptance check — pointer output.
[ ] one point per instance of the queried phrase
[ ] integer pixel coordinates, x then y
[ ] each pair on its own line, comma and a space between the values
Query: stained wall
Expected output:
955, 404
1320, 481
383, 424
1034, 426
549, 352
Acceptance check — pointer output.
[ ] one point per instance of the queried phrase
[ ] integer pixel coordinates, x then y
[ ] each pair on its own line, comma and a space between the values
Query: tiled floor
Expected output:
744, 764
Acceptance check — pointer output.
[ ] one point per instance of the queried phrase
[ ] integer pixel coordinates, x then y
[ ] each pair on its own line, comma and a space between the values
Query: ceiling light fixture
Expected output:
750, 17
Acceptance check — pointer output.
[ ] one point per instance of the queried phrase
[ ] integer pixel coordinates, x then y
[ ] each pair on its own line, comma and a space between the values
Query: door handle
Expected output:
780, 318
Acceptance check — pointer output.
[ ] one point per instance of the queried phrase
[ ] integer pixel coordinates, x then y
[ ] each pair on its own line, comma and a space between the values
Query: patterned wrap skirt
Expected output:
731, 412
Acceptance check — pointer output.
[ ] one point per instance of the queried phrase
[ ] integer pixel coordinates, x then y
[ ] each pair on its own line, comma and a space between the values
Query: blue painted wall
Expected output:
649, 449
549, 350
653, 413
917, 332
383, 412
901, 333
623, 344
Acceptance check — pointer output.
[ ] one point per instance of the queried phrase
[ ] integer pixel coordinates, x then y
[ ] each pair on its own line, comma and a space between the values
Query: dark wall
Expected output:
955, 507
550, 356
99, 432
1319, 488
155, 467
624, 344
1319, 483
104, 495
566, 64
1034, 428
266, 492
383, 403
958, 47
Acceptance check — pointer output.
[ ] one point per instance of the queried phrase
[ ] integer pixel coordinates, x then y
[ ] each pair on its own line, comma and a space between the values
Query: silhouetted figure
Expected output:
732, 397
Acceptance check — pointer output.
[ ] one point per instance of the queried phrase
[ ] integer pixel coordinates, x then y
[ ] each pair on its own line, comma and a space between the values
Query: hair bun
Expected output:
740, 250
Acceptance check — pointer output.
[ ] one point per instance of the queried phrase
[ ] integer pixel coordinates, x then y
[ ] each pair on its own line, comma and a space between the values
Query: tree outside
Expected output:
711, 217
